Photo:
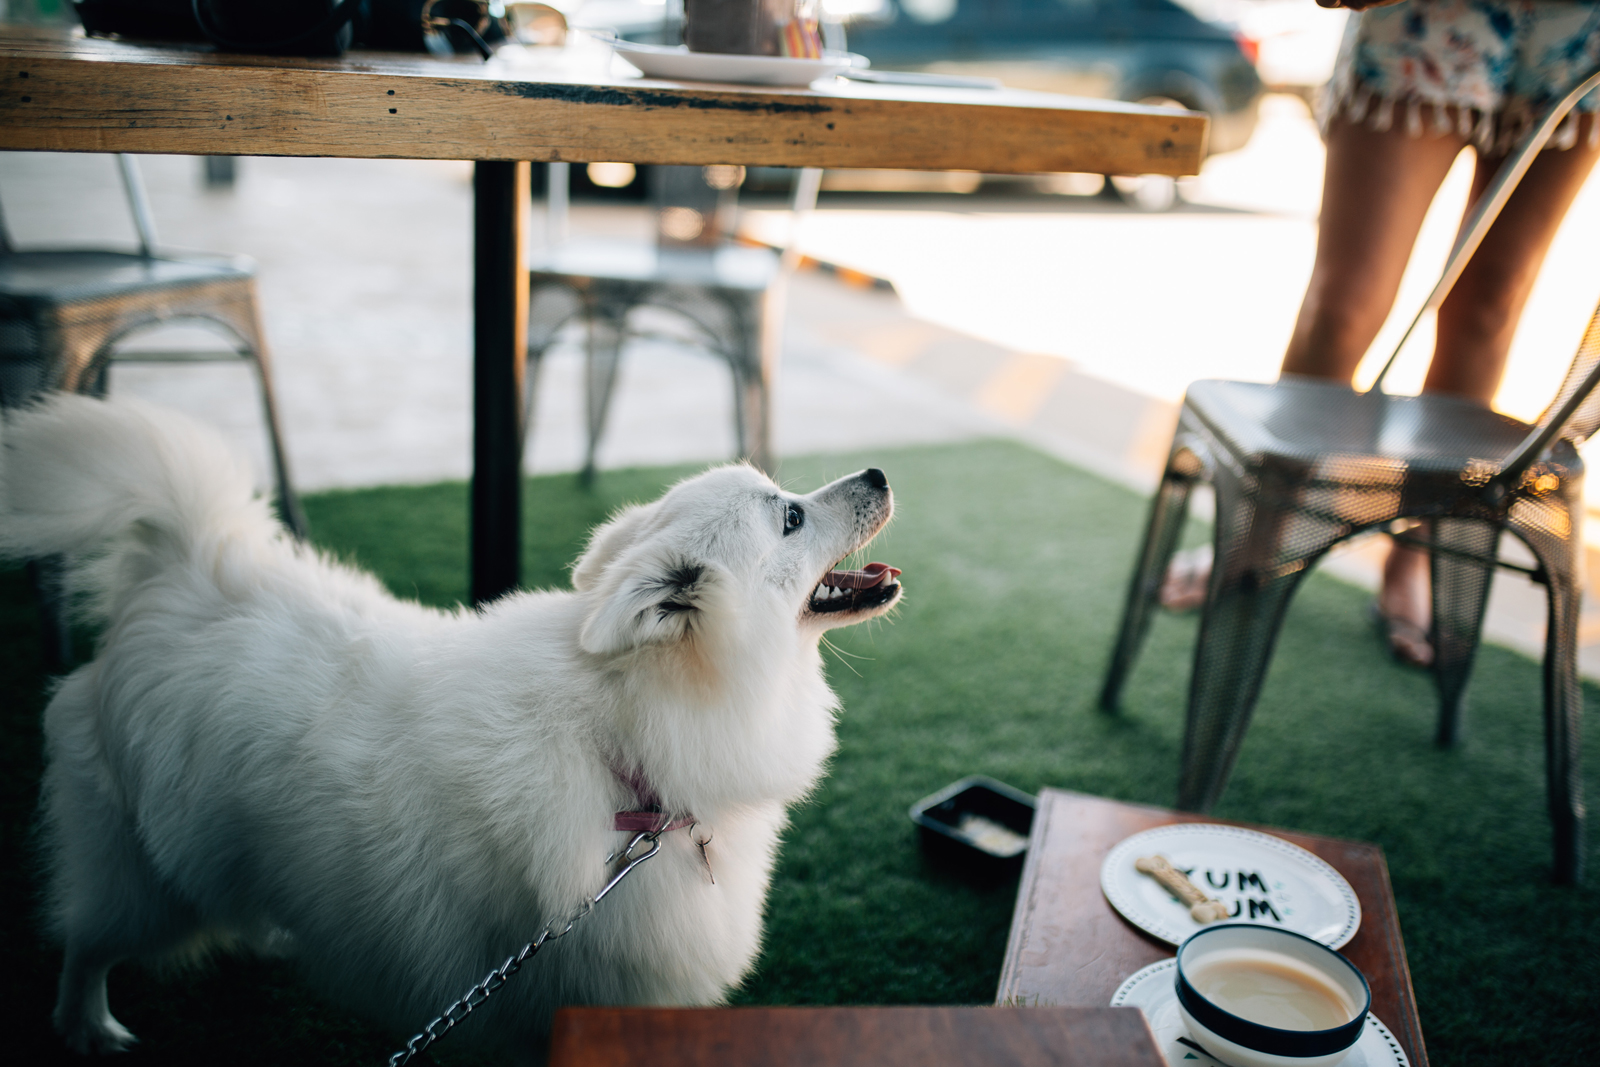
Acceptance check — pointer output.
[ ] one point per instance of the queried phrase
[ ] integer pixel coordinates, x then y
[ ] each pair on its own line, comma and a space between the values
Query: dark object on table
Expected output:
1069, 946
281, 28
284, 27
743, 27
158, 20
977, 824
301, 27
852, 1037
1302, 464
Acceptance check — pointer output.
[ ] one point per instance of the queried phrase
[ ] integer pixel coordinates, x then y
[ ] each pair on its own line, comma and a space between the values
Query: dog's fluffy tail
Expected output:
75, 473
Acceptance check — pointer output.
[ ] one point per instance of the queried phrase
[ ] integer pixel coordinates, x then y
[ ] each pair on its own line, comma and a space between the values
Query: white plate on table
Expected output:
680, 64
1152, 991
1263, 879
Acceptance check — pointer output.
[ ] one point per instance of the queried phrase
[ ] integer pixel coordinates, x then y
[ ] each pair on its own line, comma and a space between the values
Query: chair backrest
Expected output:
138, 204
557, 202
1577, 392
807, 184
701, 202
1573, 415
694, 206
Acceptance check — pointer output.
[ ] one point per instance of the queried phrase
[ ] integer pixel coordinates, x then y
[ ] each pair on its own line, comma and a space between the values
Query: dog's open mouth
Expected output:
846, 591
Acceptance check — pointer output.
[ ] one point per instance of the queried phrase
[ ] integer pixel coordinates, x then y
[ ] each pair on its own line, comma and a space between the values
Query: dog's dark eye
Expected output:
793, 518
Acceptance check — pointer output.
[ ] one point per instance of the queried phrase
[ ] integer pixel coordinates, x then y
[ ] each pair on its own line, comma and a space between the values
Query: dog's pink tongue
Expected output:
865, 578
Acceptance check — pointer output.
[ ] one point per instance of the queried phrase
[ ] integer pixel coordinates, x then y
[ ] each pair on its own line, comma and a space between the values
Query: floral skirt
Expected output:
1488, 68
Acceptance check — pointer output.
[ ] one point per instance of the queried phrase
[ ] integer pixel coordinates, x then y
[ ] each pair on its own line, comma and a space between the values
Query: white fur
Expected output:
270, 751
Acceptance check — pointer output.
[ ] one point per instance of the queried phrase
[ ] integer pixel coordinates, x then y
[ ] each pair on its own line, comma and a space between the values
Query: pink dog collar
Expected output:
634, 822
648, 817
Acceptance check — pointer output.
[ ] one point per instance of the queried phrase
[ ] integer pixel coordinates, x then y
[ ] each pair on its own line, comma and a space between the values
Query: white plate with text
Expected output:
680, 64
1152, 991
1262, 879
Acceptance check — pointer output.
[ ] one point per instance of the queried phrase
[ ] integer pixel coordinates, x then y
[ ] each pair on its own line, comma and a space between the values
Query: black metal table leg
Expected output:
500, 326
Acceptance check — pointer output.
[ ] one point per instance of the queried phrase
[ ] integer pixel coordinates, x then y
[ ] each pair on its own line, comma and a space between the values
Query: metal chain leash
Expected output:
553, 929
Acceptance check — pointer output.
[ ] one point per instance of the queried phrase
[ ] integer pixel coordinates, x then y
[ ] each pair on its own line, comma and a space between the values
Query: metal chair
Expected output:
1302, 464
726, 298
64, 314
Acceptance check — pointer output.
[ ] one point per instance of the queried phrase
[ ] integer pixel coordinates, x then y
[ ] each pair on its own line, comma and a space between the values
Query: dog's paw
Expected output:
97, 1037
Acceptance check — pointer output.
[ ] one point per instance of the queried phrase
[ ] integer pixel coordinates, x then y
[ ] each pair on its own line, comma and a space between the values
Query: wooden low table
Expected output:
1069, 947
852, 1037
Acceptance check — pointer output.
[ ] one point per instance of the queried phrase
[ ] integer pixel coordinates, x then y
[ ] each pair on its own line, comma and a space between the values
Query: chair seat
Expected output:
40, 280
1347, 435
731, 267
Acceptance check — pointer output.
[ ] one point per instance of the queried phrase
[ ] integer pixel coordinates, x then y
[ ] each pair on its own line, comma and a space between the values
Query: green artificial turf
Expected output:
1014, 569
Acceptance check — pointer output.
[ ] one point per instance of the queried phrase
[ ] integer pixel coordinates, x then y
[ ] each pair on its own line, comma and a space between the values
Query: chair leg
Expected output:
752, 390
603, 354
1167, 513
97, 381
1460, 595
552, 303
766, 354
742, 383
532, 366
1252, 581
288, 500
1554, 541
1563, 697
1563, 719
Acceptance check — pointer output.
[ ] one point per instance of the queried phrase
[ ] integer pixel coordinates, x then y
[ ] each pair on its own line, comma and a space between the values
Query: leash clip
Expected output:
629, 860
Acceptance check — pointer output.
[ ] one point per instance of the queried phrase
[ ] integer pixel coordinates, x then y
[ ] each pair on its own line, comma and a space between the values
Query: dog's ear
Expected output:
654, 601
608, 542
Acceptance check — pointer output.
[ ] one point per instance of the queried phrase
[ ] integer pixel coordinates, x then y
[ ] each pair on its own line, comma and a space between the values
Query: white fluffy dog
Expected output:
270, 751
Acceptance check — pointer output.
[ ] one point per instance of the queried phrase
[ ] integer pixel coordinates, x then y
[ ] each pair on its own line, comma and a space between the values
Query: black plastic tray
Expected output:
974, 824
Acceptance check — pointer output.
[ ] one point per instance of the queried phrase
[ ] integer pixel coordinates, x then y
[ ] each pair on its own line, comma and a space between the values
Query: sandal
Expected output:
1183, 587
1406, 641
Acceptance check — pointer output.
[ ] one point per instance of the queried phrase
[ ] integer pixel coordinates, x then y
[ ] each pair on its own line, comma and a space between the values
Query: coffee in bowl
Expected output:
1272, 989
1256, 996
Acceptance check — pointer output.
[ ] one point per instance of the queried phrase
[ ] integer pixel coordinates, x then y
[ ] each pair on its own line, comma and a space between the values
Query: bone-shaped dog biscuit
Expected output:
1202, 909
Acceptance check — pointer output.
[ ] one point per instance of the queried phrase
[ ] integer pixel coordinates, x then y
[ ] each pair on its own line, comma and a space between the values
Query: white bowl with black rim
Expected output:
1256, 996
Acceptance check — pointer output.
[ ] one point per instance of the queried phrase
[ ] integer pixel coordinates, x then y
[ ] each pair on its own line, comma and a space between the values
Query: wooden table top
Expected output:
62, 91
1068, 946
852, 1037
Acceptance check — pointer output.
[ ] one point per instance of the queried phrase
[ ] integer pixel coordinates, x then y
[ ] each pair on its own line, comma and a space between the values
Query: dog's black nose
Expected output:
874, 477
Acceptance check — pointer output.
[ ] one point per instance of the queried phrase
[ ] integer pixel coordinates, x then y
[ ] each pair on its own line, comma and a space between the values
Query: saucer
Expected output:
680, 64
1261, 878
1152, 991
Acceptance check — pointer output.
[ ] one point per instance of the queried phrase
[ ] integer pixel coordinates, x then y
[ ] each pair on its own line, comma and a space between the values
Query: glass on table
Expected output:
753, 27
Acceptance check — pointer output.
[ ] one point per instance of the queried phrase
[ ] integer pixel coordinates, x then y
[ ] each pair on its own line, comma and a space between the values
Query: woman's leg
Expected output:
1479, 319
1377, 188
1476, 325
